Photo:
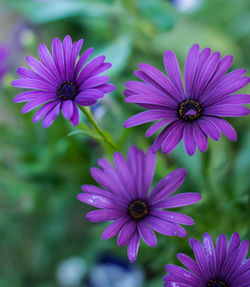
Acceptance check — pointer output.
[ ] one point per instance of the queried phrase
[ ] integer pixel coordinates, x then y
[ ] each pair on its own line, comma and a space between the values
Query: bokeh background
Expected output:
45, 240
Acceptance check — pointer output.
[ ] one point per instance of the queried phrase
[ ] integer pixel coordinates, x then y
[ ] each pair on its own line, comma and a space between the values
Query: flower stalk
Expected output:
106, 137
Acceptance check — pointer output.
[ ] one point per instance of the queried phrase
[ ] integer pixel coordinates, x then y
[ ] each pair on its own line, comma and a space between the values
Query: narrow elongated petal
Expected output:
189, 263
58, 56
224, 127
227, 111
103, 215
173, 217
35, 84
160, 79
174, 136
95, 200
200, 137
126, 233
44, 110
133, 247
162, 226
51, 116
75, 116
190, 67
188, 139
145, 117
35, 103
165, 137
155, 127
32, 95
179, 200
210, 129
41, 70
147, 234
114, 228
67, 109
67, 50
168, 185
172, 67
47, 61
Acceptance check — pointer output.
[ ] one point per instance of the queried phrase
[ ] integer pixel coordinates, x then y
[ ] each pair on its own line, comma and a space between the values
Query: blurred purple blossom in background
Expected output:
126, 200
225, 265
3, 58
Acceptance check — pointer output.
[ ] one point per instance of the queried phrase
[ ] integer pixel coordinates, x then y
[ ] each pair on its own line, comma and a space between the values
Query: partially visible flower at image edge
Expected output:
62, 81
193, 114
3, 56
225, 265
125, 200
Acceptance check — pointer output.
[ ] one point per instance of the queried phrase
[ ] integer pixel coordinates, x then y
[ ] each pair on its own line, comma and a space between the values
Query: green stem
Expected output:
107, 139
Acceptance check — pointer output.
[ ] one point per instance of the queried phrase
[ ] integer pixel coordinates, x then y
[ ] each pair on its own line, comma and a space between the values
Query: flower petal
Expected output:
226, 111
133, 247
67, 109
200, 137
44, 110
33, 95
209, 128
126, 233
168, 185
225, 128
51, 116
171, 216
145, 117
190, 67
58, 56
114, 228
172, 67
41, 70
156, 126
75, 116
95, 200
48, 62
147, 234
188, 139
103, 215
178, 200
82, 60
67, 50
159, 80
174, 136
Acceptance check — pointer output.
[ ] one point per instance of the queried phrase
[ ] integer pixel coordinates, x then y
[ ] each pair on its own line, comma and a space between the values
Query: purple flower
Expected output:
3, 56
223, 266
124, 200
61, 82
194, 114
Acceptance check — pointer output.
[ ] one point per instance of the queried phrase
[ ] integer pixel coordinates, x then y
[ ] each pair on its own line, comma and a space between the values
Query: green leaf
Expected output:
85, 130
117, 53
49, 11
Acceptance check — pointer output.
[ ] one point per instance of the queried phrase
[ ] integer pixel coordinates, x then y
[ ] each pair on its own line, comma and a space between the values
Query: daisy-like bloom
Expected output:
223, 266
3, 55
193, 114
61, 81
125, 200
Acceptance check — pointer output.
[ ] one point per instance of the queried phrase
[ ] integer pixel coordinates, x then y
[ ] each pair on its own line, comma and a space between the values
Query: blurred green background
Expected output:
41, 170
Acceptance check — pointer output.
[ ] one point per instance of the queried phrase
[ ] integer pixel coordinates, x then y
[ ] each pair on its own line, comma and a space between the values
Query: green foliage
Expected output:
41, 171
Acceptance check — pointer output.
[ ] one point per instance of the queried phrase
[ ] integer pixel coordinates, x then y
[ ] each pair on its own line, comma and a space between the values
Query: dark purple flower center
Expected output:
138, 209
216, 283
189, 110
67, 91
